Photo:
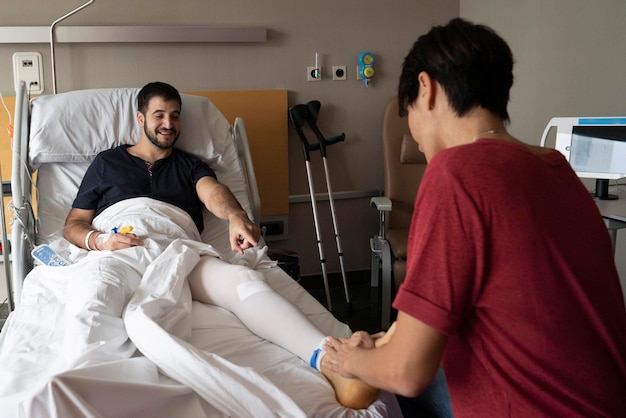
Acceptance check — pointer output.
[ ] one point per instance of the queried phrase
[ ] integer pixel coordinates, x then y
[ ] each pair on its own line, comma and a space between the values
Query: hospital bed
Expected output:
181, 358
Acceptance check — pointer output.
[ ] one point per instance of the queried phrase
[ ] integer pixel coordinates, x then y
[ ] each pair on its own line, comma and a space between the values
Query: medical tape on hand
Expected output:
252, 287
101, 239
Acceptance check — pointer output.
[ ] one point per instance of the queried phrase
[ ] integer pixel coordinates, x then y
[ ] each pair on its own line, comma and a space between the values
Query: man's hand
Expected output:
117, 241
243, 233
219, 200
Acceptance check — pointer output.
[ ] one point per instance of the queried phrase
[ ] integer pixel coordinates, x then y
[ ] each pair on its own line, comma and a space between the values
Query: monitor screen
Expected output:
594, 146
598, 151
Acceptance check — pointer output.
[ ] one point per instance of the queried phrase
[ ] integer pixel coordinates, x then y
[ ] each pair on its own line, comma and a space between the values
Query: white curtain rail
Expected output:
137, 34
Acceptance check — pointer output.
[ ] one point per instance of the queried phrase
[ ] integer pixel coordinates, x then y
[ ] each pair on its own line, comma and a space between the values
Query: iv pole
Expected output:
76, 10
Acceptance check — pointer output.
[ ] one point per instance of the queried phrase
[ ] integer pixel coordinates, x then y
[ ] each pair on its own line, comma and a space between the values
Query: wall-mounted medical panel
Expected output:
115, 34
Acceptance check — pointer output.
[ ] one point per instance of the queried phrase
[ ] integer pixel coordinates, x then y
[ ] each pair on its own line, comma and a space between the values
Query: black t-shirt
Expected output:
116, 175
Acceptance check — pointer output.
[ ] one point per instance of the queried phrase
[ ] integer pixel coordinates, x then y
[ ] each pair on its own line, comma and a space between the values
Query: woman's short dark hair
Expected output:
472, 63
156, 89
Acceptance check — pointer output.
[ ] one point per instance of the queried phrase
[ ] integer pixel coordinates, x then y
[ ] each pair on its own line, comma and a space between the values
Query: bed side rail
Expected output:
22, 222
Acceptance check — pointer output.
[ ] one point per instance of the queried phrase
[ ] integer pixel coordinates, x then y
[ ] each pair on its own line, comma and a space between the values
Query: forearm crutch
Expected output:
314, 108
301, 114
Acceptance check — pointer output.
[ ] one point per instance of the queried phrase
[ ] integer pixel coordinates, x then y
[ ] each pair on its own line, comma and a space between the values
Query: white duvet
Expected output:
117, 334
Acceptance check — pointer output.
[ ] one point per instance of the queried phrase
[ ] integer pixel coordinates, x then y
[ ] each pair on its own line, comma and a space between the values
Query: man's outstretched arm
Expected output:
219, 200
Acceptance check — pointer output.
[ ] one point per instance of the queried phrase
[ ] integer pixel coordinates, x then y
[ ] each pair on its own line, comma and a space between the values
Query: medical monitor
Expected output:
594, 147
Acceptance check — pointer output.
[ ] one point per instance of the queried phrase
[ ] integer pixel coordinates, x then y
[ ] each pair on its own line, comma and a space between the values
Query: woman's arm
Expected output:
406, 364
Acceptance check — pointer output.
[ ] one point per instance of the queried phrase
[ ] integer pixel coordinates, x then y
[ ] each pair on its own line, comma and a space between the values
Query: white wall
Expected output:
338, 30
570, 58
570, 61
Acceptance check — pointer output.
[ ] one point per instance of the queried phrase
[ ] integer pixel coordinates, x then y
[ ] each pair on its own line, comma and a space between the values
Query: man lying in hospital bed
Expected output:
153, 168
144, 187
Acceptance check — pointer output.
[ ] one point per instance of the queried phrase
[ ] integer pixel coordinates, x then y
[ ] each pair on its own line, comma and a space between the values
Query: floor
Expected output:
363, 314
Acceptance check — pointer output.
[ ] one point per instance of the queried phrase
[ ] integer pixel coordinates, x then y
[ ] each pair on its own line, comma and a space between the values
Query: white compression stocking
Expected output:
245, 293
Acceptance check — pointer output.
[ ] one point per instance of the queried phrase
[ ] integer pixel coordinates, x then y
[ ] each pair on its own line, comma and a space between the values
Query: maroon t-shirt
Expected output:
509, 257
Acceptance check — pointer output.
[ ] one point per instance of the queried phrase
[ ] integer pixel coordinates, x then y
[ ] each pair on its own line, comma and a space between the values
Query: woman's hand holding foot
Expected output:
351, 391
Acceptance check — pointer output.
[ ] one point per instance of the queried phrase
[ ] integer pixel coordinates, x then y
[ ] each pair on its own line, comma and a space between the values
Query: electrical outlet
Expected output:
339, 72
27, 67
358, 73
313, 74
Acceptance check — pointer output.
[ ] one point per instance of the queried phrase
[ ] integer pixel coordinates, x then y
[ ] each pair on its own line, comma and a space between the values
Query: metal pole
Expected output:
336, 229
65, 16
317, 233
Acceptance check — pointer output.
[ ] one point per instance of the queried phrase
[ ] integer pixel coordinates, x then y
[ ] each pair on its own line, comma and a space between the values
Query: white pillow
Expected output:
57, 184
77, 125
74, 127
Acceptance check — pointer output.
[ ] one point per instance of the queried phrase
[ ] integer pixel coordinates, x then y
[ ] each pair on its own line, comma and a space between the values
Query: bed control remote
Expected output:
48, 257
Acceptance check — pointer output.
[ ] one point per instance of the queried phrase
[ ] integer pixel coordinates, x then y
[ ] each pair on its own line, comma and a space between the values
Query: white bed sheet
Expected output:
232, 372
140, 385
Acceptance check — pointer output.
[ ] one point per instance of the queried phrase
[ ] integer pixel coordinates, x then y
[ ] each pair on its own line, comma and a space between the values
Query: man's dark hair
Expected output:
472, 63
156, 89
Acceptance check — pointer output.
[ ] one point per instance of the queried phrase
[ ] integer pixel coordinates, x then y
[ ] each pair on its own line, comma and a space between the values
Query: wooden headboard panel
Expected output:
5, 143
5, 151
265, 116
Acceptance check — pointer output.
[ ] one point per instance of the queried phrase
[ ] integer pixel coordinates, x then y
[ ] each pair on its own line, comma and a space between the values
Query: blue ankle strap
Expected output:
314, 356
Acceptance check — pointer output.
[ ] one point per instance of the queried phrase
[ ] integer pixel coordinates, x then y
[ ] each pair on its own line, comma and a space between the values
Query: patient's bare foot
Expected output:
350, 392
386, 337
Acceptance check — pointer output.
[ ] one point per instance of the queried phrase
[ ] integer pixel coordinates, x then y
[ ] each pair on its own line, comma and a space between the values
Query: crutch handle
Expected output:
313, 110
334, 139
323, 142
307, 114
307, 148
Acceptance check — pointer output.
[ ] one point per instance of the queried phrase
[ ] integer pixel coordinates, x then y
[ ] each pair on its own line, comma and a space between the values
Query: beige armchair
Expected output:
404, 168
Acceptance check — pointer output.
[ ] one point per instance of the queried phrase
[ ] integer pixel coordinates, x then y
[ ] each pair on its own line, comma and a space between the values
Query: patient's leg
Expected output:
245, 293
97, 296
266, 313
